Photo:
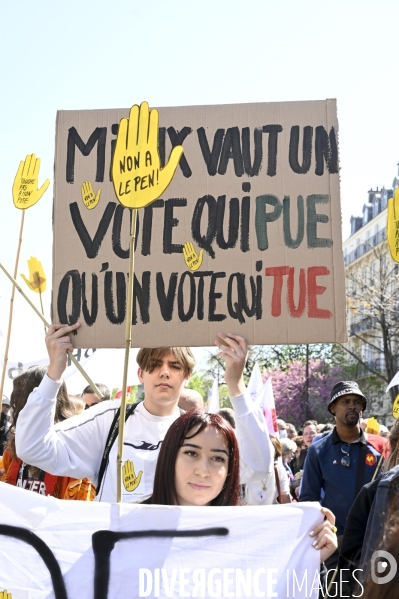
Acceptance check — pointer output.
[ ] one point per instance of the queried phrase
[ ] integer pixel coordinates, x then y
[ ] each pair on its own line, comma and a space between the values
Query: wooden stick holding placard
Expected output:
70, 355
7, 347
128, 342
137, 136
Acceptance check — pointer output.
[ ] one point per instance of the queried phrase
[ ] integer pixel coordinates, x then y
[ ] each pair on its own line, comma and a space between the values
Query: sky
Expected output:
103, 54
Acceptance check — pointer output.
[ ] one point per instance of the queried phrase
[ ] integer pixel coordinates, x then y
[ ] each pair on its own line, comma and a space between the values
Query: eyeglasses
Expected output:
345, 460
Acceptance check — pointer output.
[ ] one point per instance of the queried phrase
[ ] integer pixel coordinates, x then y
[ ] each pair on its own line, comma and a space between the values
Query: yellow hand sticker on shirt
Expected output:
130, 480
136, 170
393, 225
37, 278
25, 190
192, 259
5, 595
90, 199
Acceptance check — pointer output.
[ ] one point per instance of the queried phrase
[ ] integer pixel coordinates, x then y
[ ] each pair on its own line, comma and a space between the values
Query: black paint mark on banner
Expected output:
273, 131
91, 246
326, 150
141, 295
103, 542
252, 169
166, 300
147, 227
204, 241
234, 222
119, 316
306, 150
169, 222
177, 138
63, 291
211, 157
117, 230
231, 151
27, 536
99, 136
90, 316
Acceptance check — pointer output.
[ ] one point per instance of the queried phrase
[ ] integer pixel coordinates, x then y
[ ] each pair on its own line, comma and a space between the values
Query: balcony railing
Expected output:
359, 326
365, 247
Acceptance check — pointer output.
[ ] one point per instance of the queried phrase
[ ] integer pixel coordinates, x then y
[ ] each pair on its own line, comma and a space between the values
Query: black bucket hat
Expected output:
346, 388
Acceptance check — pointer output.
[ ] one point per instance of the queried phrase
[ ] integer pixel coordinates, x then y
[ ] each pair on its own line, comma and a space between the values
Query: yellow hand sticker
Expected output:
393, 225
192, 259
90, 199
130, 480
25, 190
37, 278
5, 595
136, 171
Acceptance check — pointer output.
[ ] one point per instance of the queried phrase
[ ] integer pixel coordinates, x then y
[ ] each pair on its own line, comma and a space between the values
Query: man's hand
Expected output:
393, 225
325, 535
24, 191
130, 480
90, 199
191, 258
234, 350
58, 342
136, 170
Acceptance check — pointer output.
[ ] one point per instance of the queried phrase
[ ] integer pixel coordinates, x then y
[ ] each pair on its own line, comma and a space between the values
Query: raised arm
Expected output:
256, 450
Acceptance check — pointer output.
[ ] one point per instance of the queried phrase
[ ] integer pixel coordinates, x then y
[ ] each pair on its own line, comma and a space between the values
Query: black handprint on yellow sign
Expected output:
130, 480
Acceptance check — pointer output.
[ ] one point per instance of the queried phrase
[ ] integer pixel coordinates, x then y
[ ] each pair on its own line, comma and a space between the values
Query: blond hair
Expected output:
147, 358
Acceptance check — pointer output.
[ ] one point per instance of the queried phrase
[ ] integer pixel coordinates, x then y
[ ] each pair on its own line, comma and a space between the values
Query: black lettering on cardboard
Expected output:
288, 240
303, 168
211, 157
27, 536
103, 542
114, 131
326, 148
234, 222
169, 223
235, 308
204, 241
313, 218
262, 218
91, 246
118, 316
62, 299
273, 131
90, 316
200, 292
186, 316
166, 300
141, 295
177, 138
213, 296
252, 169
147, 227
231, 150
98, 136
162, 145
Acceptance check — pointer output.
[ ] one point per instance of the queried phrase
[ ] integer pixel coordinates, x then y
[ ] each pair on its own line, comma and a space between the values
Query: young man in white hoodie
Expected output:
76, 447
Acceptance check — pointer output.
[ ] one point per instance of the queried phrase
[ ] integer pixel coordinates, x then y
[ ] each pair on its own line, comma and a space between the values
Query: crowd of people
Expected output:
175, 453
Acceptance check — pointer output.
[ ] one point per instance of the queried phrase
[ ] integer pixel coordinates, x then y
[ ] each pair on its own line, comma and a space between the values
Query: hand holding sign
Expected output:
90, 199
192, 259
393, 225
25, 190
130, 480
136, 171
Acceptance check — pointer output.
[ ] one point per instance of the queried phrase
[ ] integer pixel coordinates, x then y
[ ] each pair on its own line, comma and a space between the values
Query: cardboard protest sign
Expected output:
71, 549
246, 238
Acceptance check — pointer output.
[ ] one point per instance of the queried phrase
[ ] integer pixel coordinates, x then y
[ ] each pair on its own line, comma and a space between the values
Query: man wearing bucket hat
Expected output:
343, 461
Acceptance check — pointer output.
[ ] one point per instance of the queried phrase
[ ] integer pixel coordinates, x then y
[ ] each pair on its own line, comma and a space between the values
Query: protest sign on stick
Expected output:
25, 193
246, 238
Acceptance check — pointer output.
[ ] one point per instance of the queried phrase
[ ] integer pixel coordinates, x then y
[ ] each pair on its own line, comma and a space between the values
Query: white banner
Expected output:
73, 550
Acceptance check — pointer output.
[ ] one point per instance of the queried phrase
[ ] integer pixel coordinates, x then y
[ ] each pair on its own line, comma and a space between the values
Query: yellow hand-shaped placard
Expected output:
25, 190
5, 595
393, 225
90, 199
37, 278
192, 259
136, 170
130, 480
